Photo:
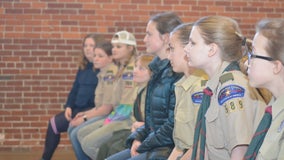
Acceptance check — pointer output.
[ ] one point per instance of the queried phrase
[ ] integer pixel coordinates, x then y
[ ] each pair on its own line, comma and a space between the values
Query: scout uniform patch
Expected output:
109, 77
127, 76
281, 126
197, 97
229, 92
232, 106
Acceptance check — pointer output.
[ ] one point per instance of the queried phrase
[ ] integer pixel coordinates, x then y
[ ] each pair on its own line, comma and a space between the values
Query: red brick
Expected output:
41, 41
73, 5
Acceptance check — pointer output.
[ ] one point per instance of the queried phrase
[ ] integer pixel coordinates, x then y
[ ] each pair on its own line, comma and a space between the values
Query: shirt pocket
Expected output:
184, 126
183, 116
214, 134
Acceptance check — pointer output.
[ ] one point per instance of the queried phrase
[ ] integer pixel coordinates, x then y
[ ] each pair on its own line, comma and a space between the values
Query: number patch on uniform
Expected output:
230, 92
233, 106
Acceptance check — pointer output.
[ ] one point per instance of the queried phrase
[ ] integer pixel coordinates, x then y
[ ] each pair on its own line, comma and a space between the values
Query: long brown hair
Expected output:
106, 46
166, 21
273, 30
224, 32
83, 60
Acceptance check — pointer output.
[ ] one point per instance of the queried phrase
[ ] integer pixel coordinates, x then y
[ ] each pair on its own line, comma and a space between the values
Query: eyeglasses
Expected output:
250, 56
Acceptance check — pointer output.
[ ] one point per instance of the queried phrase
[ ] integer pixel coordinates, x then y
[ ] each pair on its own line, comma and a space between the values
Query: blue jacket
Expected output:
159, 108
82, 93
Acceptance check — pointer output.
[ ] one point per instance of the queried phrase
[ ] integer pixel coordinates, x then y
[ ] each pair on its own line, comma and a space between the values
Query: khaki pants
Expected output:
92, 136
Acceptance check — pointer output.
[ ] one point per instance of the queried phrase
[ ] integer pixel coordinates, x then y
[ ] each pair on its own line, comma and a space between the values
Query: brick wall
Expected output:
40, 41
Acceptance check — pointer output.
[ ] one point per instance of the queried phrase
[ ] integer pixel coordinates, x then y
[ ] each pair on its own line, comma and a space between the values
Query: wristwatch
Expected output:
85, 118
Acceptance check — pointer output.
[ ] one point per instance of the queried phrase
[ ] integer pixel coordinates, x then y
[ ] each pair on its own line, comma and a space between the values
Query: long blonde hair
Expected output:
128, 39
121, 66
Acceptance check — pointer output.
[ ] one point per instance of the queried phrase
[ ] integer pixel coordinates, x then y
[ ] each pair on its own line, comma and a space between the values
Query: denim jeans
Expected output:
125, 155
72, 132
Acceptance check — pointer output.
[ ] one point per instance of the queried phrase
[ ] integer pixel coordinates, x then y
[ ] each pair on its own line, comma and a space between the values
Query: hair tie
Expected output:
244, 41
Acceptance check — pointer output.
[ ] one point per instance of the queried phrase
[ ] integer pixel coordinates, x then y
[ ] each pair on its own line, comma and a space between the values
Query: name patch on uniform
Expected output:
197, 97
127, 76
229, 92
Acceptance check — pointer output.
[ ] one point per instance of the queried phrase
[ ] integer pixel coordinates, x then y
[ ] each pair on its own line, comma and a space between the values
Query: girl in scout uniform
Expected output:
266, 70
102, 61
123, 95
141, 76
230, 110
189, 86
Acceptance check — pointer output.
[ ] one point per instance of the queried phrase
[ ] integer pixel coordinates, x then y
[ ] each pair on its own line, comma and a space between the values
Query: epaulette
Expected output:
203, 82
226, 77
130, 67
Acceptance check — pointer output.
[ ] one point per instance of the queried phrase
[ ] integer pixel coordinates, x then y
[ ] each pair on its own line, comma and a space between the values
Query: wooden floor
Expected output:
58, 155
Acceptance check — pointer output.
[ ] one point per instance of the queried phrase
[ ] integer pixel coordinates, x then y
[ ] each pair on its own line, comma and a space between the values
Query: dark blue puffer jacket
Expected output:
159, 109
82, 93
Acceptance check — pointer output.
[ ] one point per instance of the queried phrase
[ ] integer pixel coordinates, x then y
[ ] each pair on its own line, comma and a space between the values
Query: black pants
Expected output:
56, 126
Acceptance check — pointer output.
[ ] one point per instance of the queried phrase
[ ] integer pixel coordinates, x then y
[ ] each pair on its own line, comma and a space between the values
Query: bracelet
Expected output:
85, 118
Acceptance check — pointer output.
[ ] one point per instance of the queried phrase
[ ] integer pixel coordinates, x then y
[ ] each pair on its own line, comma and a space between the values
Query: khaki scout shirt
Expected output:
125, 90
272, 147
104, 90
233, 115
188, 91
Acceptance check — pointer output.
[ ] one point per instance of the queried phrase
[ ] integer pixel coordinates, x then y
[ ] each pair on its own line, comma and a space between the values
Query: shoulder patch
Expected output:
229, 92
127, 76
203, 82
109, 77
197, 97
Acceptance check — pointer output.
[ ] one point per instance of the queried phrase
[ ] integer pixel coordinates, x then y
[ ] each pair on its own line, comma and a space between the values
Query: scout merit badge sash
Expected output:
200, 126
259, 135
